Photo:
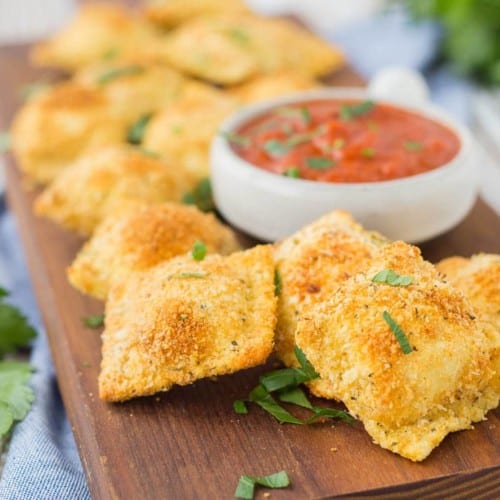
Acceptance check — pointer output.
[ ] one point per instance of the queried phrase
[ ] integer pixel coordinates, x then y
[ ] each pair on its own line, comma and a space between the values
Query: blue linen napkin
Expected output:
42, 461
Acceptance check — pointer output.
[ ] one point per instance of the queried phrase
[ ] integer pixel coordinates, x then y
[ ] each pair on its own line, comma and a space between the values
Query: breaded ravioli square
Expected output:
182, 132
408, 400
103, 182
273, 85
478, 278
97, 32
312, 264
55, 127
170, 13
141, 238
133, 88
184, 320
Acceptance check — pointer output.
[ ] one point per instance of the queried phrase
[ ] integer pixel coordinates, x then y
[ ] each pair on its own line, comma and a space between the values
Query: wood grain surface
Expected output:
188, 443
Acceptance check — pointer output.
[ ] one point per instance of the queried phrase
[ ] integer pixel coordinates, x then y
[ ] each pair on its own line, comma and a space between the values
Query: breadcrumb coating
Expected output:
407, 402
183, 320
141, 238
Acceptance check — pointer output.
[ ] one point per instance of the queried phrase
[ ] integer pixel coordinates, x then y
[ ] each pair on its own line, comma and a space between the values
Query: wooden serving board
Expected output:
188, 443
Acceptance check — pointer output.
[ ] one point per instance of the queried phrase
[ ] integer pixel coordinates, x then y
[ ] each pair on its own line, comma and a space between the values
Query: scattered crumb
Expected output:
334, 449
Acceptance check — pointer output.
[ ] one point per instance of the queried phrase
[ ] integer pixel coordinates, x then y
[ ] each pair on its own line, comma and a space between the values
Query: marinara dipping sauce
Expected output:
344, 141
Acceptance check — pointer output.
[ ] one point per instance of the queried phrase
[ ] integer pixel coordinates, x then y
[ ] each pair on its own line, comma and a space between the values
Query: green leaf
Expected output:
245, 488
295, 396
136, 131
281, 379
278, 284
398, 333
413, 146
350, 111
15, 330
329, 413
187, 275
292, 172
93, 321
260, 396
199, 250
305, 364
392, 278
14, 391
6, 418
113, 74
201, 196
276, 148
5, 142
306, 115
319, 162
240, 407
239, 35
236, 139
368, 152
246, 484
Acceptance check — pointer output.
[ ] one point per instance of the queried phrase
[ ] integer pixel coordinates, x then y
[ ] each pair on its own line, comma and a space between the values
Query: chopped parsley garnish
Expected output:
277, 283
239, 35
350, 111
115, 73
368, 152
246, 484
276, 148
303, 113
135, 133
306, 115
392, 278
199, 250
338, 143
33, 89
285, 384
187, 275
110, 54
413, 146
398, 333
292, 172
5, 142
93, 321
319, 163
201, 196
236, 139
15, 394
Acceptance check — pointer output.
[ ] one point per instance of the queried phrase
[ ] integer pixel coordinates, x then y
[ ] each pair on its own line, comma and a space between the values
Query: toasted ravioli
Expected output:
478, 278
133, 89
97, 32
229, 49
170, 13
182, 132
273, 85
55, 127
407, 402
139, 239
102, 182
183, 320
312, 265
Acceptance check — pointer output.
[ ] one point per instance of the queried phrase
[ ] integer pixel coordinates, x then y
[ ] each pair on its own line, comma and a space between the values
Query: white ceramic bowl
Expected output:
270, 207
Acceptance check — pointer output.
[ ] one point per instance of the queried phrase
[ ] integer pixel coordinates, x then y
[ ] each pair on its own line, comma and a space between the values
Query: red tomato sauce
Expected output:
344, 141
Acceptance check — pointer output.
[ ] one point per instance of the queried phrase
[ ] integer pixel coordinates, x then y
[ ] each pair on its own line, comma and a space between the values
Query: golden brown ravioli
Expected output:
408, 403
183, 320
230, 49
141, 238
134, 89
478, 278
182, 132
104, 181
170, 13
97, 32
273, 85
312, 264
55, 127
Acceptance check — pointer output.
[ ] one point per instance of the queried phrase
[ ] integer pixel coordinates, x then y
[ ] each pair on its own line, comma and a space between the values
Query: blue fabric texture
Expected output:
42, 460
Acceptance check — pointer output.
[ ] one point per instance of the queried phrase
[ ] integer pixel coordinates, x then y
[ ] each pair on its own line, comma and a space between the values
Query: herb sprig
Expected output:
93, 321
136, 132
246, 485
200, 196
398, 333
350, 111
392, 278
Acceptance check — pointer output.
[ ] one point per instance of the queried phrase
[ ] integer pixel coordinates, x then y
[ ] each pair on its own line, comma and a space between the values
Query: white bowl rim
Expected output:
427, 110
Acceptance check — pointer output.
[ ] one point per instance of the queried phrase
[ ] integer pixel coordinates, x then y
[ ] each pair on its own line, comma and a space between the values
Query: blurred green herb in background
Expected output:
471, 37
